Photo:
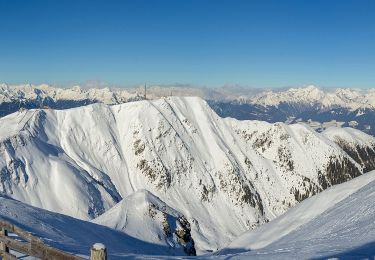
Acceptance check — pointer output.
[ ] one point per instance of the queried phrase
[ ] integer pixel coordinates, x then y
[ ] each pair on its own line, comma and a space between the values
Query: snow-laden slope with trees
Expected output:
337, 223
213, 178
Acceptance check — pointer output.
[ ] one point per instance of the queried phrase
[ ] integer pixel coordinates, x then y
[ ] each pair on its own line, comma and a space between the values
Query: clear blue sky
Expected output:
200, 42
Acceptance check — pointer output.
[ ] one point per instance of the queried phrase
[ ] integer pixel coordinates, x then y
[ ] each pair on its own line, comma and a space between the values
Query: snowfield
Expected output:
170, 172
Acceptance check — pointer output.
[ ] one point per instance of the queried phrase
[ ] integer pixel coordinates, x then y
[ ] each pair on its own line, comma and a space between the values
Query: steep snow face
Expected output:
338, 223
220, 176
144, 216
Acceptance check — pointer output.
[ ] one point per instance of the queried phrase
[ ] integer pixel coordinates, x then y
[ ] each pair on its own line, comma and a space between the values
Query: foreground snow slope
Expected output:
74, 235
335, 223
222, 176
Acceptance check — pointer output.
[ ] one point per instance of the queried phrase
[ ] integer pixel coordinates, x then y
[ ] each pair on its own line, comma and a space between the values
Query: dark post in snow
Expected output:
3, 233
98, 252
145, 91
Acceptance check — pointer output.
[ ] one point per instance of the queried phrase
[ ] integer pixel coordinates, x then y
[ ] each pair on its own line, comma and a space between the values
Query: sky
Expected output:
208, 43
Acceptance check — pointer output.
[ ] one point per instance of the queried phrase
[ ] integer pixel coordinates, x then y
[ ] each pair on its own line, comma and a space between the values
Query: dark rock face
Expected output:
178, 227
184, 235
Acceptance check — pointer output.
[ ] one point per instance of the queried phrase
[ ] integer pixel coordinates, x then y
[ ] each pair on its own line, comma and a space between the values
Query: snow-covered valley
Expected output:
169, 173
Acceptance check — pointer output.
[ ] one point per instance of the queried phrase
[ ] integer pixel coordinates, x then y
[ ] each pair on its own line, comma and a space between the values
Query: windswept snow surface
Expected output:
337, 223
211, 177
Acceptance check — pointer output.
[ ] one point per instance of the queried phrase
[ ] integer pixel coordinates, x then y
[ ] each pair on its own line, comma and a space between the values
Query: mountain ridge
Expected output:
224, 176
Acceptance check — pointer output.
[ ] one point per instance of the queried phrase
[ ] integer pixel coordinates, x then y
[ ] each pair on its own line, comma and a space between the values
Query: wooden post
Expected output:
3, 233
98, 252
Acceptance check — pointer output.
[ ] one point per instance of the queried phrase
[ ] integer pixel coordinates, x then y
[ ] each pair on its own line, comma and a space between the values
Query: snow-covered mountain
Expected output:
14, 98
28, 96
337, 223
45, 93
321, 108
312, 95
208, 179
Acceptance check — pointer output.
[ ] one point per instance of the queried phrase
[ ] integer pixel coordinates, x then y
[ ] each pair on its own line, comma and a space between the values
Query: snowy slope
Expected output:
304, 161
84, 161
336, 223
76, 236
96, 155
360, 146
144, 216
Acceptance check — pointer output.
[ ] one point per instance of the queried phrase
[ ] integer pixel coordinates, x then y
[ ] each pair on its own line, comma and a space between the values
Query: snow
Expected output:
32, 92
337, 223
144, 216
300, 215
109, 164
98, 246
352, 99
350, 135
74, 235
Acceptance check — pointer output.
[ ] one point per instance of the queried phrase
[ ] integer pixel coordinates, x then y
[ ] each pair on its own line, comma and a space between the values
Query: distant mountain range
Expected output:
317, 107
